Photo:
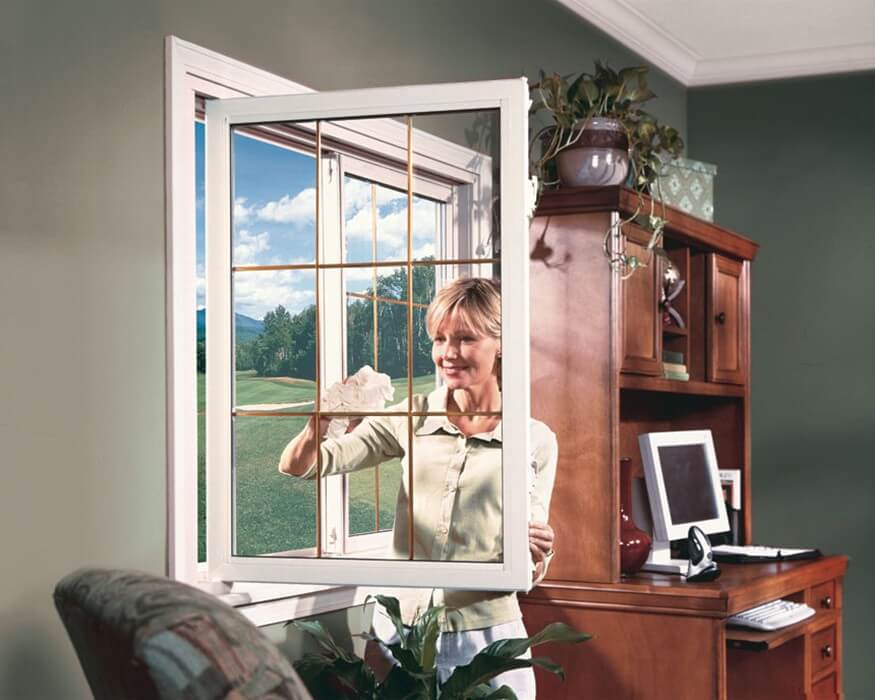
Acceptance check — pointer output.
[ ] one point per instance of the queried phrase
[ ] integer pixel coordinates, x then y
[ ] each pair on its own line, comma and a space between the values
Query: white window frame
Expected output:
191, 70
514, 572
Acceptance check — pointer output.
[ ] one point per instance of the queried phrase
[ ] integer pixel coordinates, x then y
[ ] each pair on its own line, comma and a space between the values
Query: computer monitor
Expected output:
683, 487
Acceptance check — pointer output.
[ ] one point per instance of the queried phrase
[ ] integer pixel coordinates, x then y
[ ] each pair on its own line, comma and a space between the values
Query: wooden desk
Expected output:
656, 636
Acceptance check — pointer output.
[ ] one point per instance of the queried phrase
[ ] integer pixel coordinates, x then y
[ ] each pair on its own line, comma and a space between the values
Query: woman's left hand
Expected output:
541, 538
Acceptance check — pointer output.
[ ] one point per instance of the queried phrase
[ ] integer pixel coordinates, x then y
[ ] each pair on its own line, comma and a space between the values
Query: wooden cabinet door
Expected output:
640, 319
727, 320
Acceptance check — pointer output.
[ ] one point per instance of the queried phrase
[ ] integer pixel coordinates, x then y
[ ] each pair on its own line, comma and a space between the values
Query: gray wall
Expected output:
795, 174
82, 417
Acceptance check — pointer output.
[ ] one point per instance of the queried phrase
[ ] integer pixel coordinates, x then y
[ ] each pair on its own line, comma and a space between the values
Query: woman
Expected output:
457, 475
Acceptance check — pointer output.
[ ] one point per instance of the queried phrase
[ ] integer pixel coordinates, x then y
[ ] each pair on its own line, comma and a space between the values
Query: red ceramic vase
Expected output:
634, 542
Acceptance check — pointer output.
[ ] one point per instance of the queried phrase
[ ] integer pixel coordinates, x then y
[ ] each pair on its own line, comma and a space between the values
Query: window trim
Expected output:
511, 96
189, 70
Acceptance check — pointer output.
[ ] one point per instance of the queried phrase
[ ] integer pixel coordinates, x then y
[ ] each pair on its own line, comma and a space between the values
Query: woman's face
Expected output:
464, 356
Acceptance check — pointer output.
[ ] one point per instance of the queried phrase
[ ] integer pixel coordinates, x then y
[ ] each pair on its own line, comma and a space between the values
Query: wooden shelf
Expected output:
674, 330
673, 386
741, 638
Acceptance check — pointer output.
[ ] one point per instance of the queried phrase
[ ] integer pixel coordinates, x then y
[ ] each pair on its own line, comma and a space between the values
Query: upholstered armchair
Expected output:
144, 636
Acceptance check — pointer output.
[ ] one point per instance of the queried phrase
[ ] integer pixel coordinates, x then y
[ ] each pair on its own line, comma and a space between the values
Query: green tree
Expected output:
392, 325
201, 356
273, 346
287, 344
245, 356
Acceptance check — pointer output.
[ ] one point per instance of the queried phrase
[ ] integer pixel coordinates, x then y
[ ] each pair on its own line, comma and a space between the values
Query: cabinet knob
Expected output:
721, 317
826, 652
826, 602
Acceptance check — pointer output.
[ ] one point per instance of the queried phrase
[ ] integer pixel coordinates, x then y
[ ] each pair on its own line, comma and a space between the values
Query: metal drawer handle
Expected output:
721, 317
826, 602
826, 652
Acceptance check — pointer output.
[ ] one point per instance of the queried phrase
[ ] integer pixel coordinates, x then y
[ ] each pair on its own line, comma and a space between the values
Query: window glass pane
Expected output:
464, 225
274, 514
363, 494
274, 186
375, 222
361, 449
376, 323
275, 340
373, 233
390, 483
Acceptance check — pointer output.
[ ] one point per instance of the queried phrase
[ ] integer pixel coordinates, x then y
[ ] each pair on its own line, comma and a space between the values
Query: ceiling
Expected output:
713, 42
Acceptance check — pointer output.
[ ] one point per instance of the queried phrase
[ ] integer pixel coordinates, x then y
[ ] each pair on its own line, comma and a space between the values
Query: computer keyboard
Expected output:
772, 616
757, 553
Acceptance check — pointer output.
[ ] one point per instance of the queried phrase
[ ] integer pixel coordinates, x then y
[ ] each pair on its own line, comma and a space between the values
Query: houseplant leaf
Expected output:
325, 640
484, 667
393, 610
400, 685
502, 656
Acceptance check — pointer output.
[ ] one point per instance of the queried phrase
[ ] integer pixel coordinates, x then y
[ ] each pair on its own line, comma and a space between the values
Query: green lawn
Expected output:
275, 512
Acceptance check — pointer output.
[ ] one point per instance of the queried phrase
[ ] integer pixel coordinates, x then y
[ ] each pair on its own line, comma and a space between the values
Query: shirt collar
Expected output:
437, 401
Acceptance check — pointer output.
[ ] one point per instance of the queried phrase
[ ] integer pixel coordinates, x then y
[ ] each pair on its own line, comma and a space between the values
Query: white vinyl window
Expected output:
396, 129
408, 191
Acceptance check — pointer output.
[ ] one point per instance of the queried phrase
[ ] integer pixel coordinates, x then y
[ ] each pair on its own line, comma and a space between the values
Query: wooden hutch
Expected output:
597, 380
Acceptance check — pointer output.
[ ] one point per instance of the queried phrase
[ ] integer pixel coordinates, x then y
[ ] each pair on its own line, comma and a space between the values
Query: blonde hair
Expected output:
477, 300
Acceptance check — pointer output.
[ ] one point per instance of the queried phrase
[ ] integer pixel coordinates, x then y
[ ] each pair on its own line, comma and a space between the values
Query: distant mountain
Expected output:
245, 329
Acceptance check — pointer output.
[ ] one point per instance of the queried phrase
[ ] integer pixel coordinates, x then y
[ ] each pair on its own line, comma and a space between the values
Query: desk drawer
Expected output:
823, 596
825, 688
823, 649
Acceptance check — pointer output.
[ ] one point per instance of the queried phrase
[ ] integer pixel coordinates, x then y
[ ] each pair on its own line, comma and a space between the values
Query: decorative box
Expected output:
689, 186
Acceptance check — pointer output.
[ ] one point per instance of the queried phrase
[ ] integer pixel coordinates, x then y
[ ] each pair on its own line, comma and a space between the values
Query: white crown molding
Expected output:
788, 64
637, 32
666, 52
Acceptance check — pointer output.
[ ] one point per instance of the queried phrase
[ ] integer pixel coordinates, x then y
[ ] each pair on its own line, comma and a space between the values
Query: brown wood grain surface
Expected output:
572, 336
682, 226
631, 655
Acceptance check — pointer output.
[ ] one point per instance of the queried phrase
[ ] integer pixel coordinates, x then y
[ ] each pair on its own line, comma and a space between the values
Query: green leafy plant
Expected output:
335, 673
569, 101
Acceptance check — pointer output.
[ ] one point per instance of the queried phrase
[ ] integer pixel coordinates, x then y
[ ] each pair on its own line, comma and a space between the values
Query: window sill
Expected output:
270, 603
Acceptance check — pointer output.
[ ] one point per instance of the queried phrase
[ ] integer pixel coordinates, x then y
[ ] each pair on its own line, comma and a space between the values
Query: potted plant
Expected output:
599, 134
336, 673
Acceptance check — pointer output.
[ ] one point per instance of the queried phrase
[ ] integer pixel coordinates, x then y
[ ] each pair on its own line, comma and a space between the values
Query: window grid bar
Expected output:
385, 300
376, 336
362, 414
318, 402
409, 334
350, 265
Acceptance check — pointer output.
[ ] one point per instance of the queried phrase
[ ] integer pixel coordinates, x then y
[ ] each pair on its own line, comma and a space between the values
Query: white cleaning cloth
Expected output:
366, 390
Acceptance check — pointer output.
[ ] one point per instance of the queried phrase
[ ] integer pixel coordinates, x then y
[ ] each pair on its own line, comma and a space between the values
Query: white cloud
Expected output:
358, 274
248, 245
424, 251
392, 227
256, 293
298, 209
357, 195
242, 213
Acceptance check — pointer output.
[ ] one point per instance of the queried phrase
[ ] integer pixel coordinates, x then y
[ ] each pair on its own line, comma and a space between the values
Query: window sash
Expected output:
510, 97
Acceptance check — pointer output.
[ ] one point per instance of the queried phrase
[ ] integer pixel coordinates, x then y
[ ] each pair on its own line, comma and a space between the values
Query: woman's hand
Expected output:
541, 538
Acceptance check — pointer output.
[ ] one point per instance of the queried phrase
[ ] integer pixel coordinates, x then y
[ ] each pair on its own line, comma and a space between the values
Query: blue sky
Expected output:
274, 205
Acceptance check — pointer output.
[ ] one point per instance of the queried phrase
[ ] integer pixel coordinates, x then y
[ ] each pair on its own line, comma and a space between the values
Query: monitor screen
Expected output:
688, 483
